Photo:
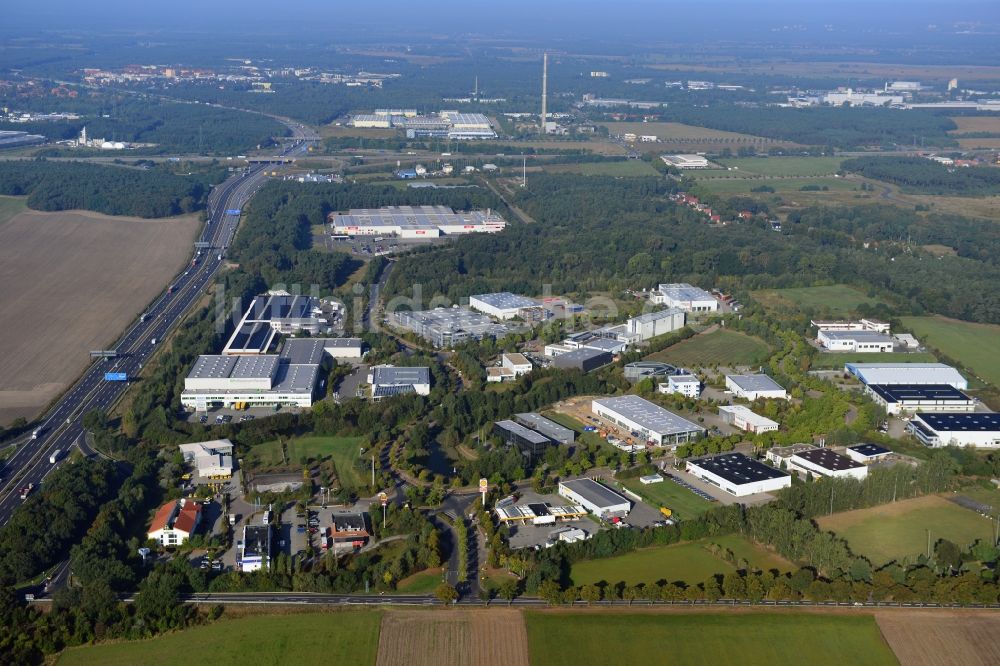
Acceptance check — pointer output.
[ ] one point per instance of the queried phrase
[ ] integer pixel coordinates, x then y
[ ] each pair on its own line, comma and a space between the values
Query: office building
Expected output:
532, 444
516, 363
212, 460
255, 553
547, 427
688, 386
175, 522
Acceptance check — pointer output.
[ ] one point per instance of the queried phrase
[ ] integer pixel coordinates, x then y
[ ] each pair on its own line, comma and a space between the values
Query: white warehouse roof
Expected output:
907, 373
651, 417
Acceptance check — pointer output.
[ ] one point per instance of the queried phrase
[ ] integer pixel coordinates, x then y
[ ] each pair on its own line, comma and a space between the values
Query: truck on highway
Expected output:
55, 456
153, 341
36, 432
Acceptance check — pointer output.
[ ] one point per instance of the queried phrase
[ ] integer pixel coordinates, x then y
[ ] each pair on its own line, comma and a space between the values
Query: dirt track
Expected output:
493, 637
71, 282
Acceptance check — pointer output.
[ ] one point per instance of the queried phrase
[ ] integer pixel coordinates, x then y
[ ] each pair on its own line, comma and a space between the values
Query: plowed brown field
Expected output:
942, 638
487, 637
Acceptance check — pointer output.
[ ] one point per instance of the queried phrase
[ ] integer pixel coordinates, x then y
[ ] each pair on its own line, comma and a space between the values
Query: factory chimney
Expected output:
545, 89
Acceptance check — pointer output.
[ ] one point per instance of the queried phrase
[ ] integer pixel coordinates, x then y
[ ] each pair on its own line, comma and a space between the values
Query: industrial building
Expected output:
211, 460
175, 522
532, 444
557, 349
547, 427
907, 374
841, 325
270, 315
746, 420
414, 222
653, 324
827, 462
738, 475
904, 398
778, 455
222, 381
442, 125
867, 454
686, 161
537, 513
855, 341
502, 305
639, 370
688, 386
752, 387
653, 423
516, 363
447, 327
685, 297
389, 380
17, 139
595, 497
255, 554
582, 359
978, 429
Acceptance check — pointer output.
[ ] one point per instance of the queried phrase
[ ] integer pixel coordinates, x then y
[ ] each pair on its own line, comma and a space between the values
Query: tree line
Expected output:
918, 174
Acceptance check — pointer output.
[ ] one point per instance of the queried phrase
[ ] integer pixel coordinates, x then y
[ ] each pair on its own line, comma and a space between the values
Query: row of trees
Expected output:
917, 174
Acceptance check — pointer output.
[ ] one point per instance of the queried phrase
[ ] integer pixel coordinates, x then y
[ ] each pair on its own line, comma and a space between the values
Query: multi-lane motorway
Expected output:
61, 427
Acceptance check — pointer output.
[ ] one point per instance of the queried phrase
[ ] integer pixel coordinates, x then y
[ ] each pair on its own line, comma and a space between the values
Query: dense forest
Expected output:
917, 174
114, 190
840, 127
595, 235
173, 127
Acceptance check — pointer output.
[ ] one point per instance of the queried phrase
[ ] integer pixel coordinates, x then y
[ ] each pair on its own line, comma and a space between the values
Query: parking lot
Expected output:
219, 416
348, 387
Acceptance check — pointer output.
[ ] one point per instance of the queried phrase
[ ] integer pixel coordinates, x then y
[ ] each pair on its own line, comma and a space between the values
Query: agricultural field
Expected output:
968, 124
690, 562
922, 638
788, 186
837, 299
976, 346
680, 132
493, 637
684, 503
836, 360
776, 167
340, 637
343, 450
720, 347
73, 281
754, 639
628, 168
897, 531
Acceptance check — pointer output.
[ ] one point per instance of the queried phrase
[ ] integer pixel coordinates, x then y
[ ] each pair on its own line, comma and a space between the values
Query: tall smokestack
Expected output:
545, 89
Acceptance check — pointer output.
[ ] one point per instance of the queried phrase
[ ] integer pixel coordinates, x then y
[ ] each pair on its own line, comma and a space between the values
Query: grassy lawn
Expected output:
423, 582
836, 360
837, 299
751, 639
977, 346
11, 206
721, 346
690, 562
341, 637
343, 450
896, 531
631, 168
684, 503
782, 166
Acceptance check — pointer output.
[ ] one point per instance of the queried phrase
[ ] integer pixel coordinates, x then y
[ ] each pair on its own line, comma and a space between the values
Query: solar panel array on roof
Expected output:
387, 391
210, 366
249, 367
893, 393
870, 450
383, 375
828, 459
964, 422
737, 468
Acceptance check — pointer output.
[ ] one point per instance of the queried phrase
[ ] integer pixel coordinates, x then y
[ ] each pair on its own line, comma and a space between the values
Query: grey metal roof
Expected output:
505, 300
396, 375
212, 366
682, 291
604, 344
656, 316
595, 493
295, 378
341, 342
755, 383
253, 367
547, 427
860, 336
527, 433
652, 417
906, 373
303, 350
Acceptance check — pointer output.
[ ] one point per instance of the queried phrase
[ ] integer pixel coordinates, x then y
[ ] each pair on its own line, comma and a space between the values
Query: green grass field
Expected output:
837, 299
896, 531
342, 637
684, 503
779, 166
628, 168
11, 206
343, 450
753, 639
977, 346
720, 346
424, 582
690, 562
836, 360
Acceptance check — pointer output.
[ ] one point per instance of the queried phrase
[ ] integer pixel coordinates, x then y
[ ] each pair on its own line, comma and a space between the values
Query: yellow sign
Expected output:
484, 485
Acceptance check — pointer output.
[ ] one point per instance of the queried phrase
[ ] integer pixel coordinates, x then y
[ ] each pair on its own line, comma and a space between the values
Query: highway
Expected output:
61, 426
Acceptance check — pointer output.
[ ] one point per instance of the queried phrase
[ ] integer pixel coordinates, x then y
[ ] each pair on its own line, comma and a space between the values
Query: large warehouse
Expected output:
595, 497
502, 305
414, 222
739, 475
269, 315
389, 380
827, 462
907, 373
584, 359
752, 387
652, 422
902, 398
745, 419
656, 323
855, 341
441, 125
547, 427
685, 297
979, 429
447, 327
